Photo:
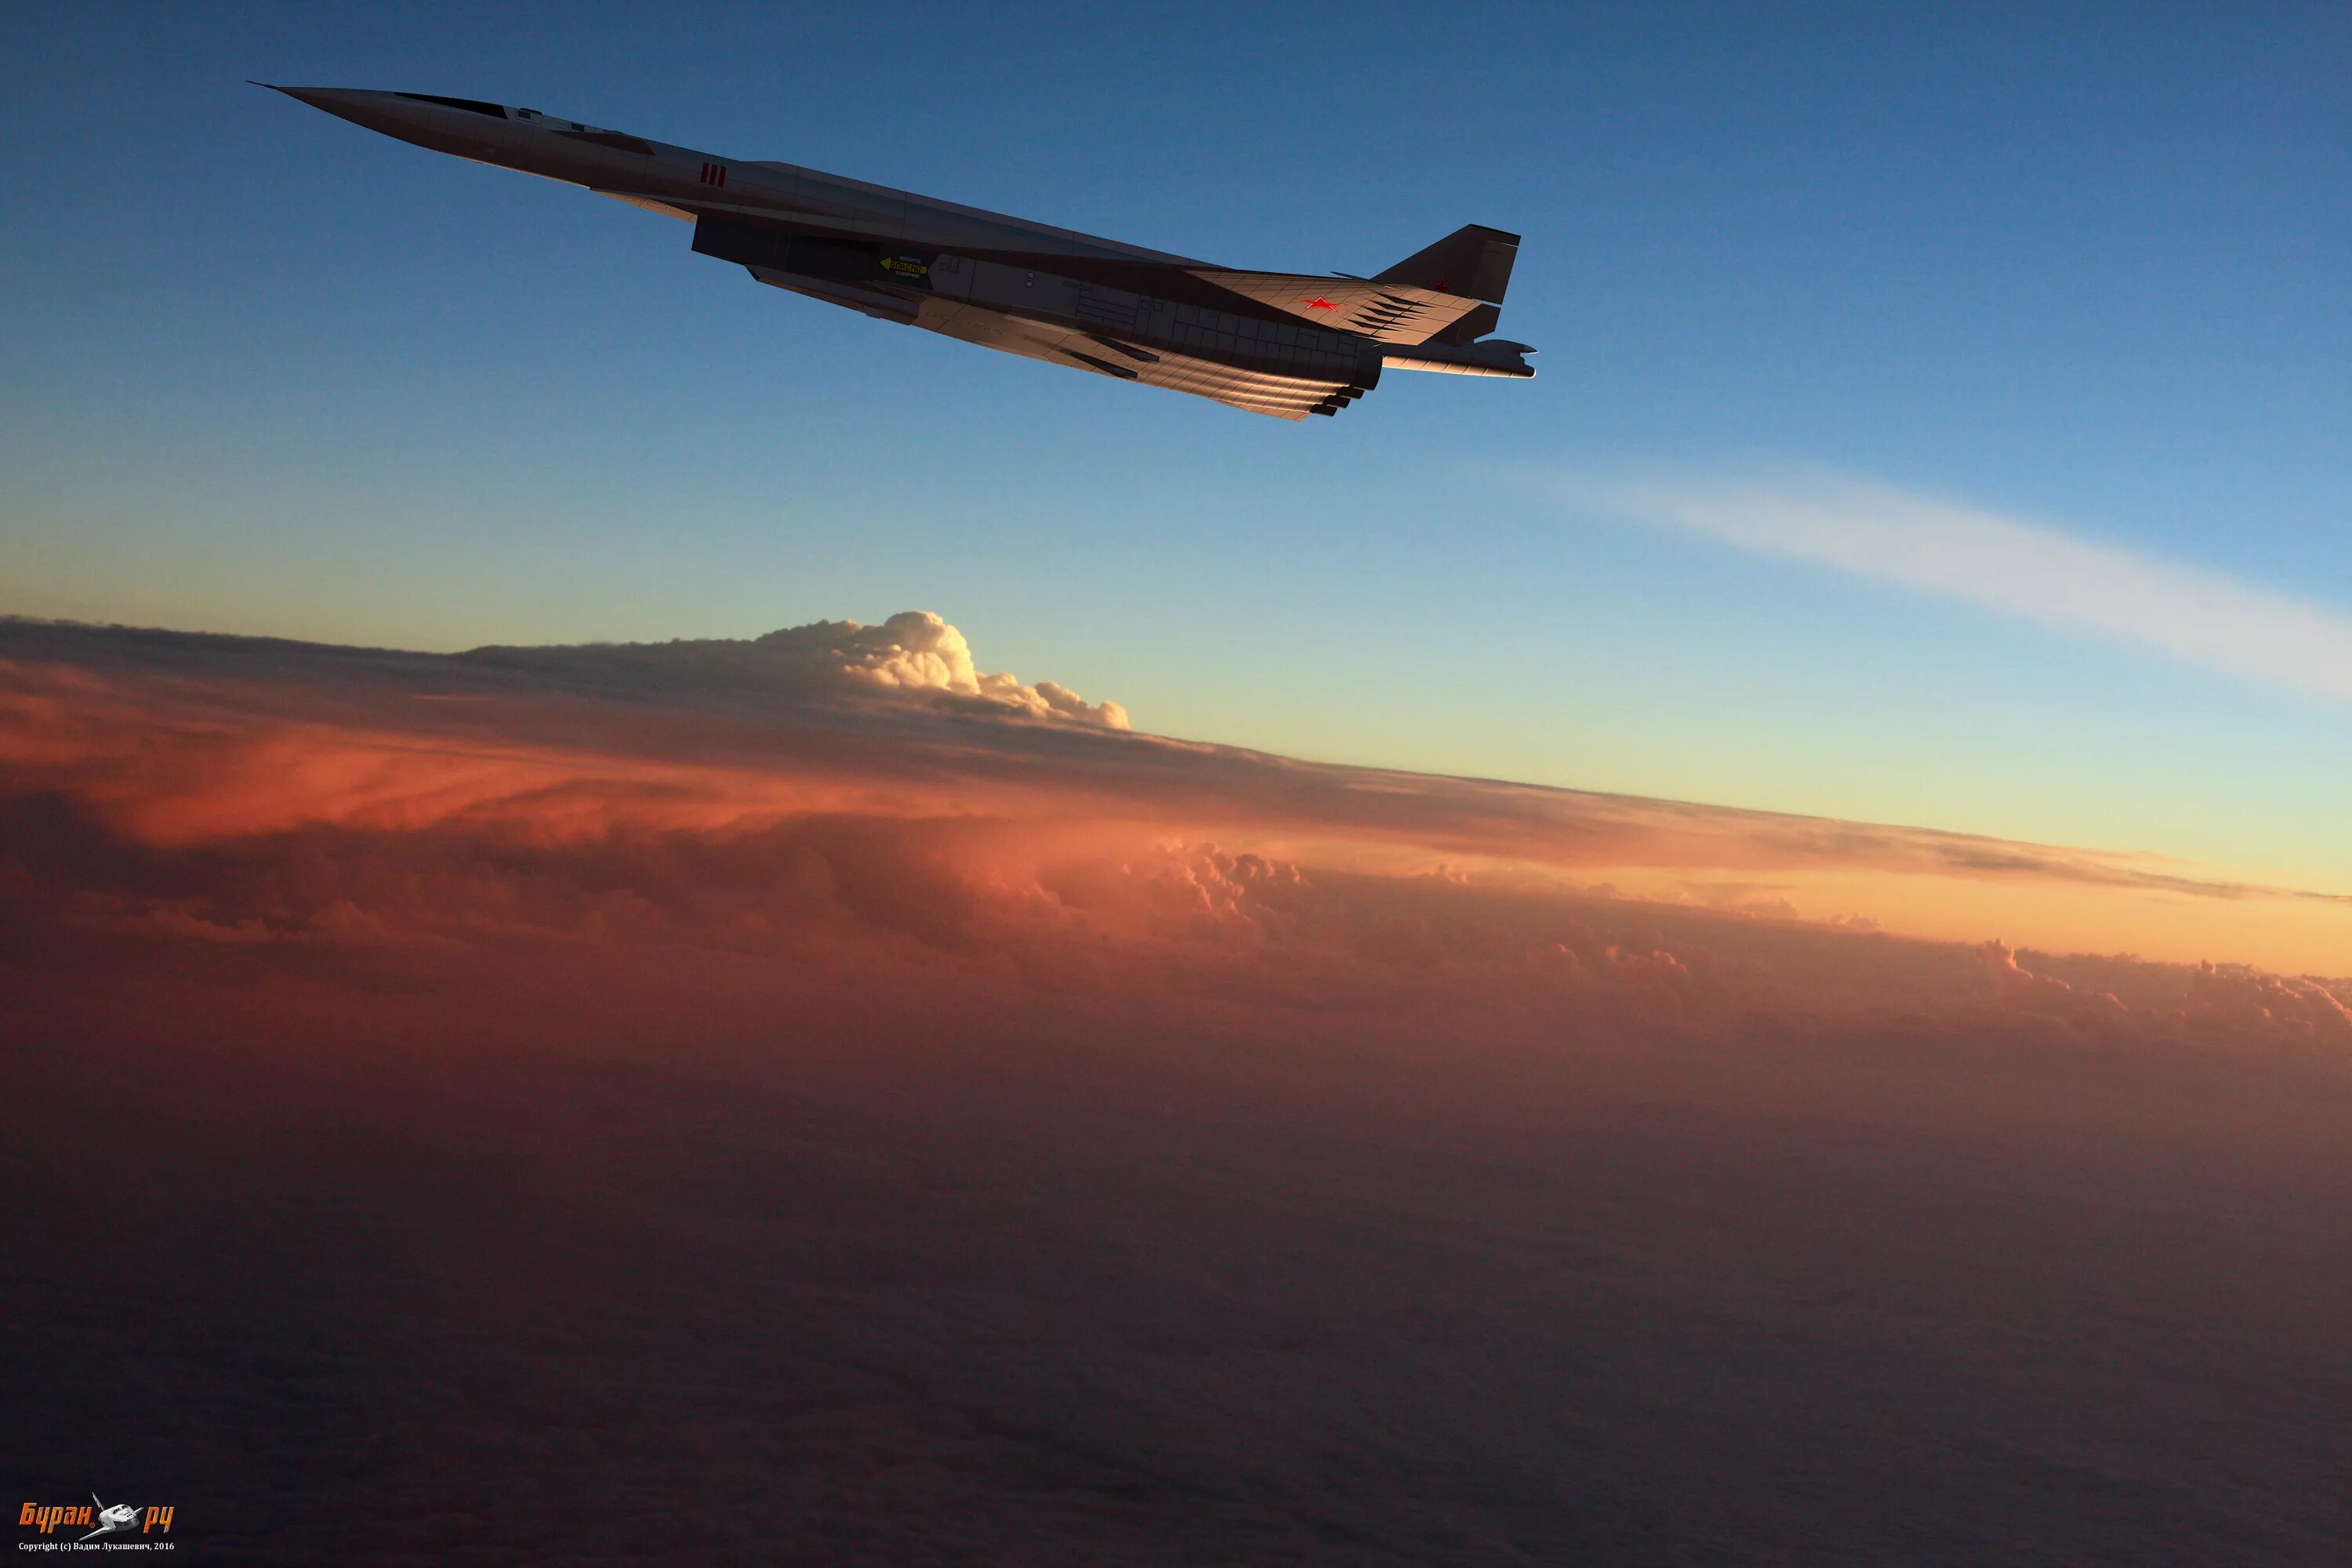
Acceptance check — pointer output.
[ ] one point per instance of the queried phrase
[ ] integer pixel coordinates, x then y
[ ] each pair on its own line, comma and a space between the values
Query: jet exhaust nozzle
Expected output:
1493, 357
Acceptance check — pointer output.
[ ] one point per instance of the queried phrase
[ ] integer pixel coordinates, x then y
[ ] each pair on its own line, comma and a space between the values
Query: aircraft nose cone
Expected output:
385, 112
333, 100
316, 96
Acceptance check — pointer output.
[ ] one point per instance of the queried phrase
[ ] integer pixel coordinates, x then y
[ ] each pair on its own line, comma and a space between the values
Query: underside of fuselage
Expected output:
1259, 391
1285, 397
1244, 355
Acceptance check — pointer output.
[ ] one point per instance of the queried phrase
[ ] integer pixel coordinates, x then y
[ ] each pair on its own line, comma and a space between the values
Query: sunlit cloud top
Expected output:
185, 740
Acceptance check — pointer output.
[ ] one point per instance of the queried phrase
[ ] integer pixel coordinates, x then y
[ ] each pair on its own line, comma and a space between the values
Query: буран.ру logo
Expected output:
101, 1520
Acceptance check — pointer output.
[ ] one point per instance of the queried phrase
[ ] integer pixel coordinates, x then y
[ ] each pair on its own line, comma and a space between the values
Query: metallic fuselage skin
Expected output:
1269, 342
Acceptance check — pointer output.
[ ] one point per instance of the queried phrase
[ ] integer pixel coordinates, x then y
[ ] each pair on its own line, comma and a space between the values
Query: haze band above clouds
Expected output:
2003, 563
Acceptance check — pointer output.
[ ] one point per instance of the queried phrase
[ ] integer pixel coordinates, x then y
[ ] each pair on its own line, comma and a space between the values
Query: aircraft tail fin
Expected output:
1473, 262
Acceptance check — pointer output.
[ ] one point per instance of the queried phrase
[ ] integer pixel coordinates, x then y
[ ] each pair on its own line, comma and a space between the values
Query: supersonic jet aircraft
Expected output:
1272, 342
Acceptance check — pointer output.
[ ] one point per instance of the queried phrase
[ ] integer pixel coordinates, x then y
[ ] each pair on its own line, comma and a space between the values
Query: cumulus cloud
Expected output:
914, 654
2014, 565
2238, 997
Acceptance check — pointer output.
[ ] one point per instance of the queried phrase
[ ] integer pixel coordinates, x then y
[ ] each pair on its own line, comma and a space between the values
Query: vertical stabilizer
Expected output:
1473, 261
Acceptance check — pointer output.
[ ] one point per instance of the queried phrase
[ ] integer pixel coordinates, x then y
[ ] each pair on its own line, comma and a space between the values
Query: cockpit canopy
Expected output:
471, 105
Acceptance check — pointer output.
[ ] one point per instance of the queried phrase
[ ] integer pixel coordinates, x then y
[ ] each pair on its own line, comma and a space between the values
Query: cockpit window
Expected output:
474, 105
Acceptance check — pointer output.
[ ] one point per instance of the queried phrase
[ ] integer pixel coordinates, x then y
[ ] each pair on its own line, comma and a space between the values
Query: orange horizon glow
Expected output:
177, 764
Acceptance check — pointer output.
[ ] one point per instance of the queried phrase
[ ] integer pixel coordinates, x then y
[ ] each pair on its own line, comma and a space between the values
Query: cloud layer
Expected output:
2015, 566
603, 1108
232, 791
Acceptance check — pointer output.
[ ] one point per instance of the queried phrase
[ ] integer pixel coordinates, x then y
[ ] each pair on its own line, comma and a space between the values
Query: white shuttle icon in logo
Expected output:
121, 1516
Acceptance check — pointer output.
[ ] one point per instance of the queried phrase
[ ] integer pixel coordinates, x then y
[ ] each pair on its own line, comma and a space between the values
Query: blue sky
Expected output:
262, 371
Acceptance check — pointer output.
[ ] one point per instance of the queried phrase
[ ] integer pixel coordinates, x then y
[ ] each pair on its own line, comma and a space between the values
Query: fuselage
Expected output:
614, 161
